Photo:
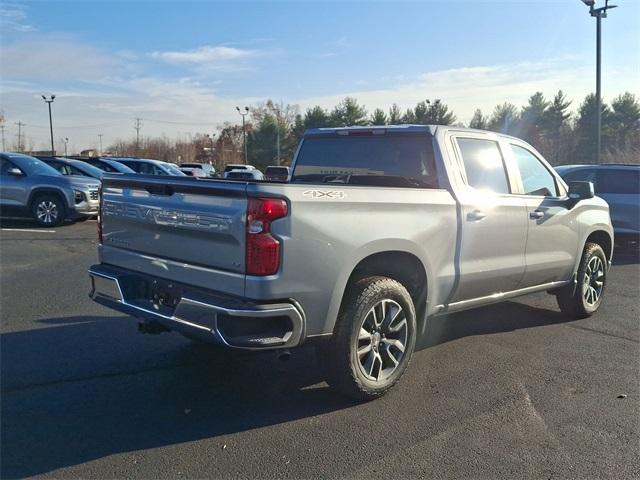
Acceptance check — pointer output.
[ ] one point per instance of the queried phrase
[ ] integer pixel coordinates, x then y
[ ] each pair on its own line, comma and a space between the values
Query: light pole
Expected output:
66, 142
599, 14
244, 131
49, 101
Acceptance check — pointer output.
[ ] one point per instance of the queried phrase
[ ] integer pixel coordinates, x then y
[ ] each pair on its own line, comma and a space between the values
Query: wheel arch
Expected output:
401, 265
602, 238
48, 191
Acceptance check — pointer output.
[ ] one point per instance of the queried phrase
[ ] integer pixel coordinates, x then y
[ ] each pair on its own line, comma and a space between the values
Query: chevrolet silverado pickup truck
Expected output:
378, 230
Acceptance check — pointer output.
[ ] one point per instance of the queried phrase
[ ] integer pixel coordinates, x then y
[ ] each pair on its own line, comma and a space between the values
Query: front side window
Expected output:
483, 164
536, 179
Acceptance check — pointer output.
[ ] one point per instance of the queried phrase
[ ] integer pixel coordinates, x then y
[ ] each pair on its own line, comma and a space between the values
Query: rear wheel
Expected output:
48, 210
373, 340
585, 299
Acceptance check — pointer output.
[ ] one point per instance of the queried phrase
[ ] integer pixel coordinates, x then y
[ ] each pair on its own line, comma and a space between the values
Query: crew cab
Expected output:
378, 230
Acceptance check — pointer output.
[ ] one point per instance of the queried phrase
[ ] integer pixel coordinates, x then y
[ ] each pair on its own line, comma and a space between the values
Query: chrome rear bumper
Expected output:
208, 316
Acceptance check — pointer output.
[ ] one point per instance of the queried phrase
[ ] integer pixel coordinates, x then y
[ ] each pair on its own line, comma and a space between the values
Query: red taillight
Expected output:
99, 219
263, 250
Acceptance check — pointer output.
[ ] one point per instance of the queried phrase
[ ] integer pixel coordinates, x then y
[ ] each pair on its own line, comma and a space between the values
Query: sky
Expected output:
182, 67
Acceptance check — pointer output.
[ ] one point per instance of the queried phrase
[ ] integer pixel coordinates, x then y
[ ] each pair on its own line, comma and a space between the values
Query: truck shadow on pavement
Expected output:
79, 389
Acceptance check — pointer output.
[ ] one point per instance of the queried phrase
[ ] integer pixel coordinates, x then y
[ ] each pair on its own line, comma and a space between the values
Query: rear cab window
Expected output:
384, 160
483, 164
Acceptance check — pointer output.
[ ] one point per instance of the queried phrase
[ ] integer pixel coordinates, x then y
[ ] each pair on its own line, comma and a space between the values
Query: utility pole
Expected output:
244, 130
49, 101
2, 129
599, 14
100, 138
20, 125
138, 126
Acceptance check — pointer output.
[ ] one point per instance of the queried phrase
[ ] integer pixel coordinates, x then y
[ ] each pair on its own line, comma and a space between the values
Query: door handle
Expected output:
476, 215
536, 214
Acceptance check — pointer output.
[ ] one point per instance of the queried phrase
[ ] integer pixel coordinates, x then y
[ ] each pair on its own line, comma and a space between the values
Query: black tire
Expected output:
48, 210
585, 299
345, 367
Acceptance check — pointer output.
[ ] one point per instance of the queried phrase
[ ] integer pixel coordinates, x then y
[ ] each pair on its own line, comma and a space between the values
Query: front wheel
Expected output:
373, 340
48, 210
585, 299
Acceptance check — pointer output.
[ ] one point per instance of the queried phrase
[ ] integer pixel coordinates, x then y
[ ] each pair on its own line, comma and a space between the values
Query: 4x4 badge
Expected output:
324, 193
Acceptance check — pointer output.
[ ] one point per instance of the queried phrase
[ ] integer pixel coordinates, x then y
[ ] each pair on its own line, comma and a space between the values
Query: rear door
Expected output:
493, 222
552, 235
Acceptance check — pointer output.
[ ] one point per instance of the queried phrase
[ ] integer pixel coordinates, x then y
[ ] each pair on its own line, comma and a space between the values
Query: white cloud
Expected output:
208, 56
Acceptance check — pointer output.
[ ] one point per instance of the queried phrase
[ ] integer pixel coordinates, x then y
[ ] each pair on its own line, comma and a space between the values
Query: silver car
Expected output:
31, 187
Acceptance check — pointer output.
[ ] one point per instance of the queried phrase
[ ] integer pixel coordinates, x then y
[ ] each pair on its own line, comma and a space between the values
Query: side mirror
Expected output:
581, 190
15, 172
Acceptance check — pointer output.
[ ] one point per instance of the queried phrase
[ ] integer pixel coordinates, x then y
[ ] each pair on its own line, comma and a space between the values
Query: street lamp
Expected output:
599, 14
49, 101
244, 131
66, 142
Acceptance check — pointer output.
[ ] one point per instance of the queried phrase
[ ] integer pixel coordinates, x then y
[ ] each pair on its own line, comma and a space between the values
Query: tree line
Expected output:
561, 135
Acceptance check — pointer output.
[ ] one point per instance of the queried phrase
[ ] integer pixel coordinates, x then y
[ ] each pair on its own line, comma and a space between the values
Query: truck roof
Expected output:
429, 129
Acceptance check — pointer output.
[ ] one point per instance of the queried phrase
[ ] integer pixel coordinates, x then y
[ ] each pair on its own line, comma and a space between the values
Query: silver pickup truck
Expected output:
378, 230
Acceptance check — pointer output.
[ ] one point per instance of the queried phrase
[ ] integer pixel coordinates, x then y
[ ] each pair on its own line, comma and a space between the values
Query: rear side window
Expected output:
374, 160
483, 164
621, 181
536, 179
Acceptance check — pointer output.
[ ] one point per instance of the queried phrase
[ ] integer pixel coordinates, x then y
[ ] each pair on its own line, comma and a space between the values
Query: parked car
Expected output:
151, 167
199, 169
106, 164
237, 166
378, 230
30, 187
277, 173
193, 172
69, 166
251, 174
619, 185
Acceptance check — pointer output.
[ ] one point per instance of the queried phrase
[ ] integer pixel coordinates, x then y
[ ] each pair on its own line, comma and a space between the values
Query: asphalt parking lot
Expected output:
508, 391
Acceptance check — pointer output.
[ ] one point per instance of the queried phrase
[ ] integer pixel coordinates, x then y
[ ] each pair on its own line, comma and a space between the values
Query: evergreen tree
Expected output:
625, 118
504, 118
378, 117
531, 118
316, 117
348, 113
478, 120
395, 115
409, 117
586, 150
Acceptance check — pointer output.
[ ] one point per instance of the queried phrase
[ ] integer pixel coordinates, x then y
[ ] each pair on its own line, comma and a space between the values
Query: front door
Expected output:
553, 236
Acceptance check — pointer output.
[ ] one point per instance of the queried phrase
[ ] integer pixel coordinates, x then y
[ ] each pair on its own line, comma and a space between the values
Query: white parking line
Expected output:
26, 230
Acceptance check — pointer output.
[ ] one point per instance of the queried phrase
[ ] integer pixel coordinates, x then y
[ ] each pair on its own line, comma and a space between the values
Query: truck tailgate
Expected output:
167, 225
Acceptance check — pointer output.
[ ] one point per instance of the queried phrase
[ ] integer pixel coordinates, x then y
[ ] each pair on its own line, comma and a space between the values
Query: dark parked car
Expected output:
70, 166
619, 185
277, 174
30, 187
148, 166
106, 164
253, 174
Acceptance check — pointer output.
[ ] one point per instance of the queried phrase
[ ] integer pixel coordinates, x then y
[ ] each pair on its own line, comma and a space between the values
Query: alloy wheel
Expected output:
47, 212
382, 340
593, 281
